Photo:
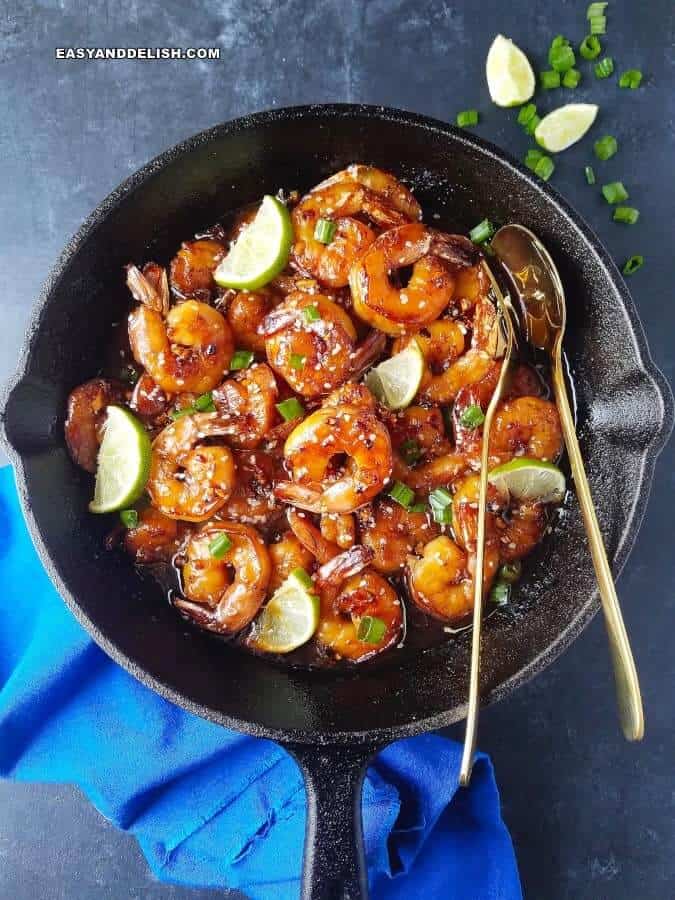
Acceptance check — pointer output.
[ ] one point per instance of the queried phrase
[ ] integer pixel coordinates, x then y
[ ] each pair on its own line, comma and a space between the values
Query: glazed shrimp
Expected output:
312, 539
148, 400
358, 191
348, 592
189, 480
188, 351
472, 284
441, 342
314, 452
433, 256
154, 539
246, 405
339, 528
192, 269
224, 594
87, 405
246, 311
526, 426
287, 554
393, 533
252, 498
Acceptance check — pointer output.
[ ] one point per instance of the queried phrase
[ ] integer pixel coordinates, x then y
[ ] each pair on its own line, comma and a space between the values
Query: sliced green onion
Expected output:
467, 117
626, 214
561, 58
291, 409
204, 403
442, 516
402, 494
440, 497
499, 595
129, 518
571, 78
482, 232
297, 360
559, 41
606, 147
531, 126
633, 264
411, 451
590, 47
324, 232
544, 168
371, 630
631, 78
549, 79
176, 414
532, 157
241, 359
303, 577
219, 546
525, 113
510, 572
590, 174
418, 508
473, 416
595, 9
311, 313
604, 68
614, 192
598, 24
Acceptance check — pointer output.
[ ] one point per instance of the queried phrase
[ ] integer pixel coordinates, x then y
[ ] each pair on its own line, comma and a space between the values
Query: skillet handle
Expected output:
334, 866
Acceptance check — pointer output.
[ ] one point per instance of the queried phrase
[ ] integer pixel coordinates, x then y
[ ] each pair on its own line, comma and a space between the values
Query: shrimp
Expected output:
246, 405
472, 284
441, 343
189, 480
189, 351
246, 312
419, 432
149, 287
441, 580
339, 528
252, 499
192, 269
433, 256
87, 405
526, 426
393, 533
359, 191
439, 472
223, 593
155, 539
315, 451
309, 342
287, 554
348, 592
519, 529
312, 538
148, 400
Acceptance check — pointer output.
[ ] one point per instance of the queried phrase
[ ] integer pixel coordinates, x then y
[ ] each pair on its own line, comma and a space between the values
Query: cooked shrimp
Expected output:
149, 287
246, 405
310, 536
314, 452
87, 406
148, 400
387, 187
393, 533
418, 431
519, 529
441, 343
433, 256
526, 426
439, 472
471, 285
339, 528
154, 539
189, 480
193, 266
246, 312
287, 554
471, 367
189, 351
224, 594
252, 498
441, 580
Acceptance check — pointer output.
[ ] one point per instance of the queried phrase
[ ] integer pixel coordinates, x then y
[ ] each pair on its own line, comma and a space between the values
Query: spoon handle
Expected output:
625, 674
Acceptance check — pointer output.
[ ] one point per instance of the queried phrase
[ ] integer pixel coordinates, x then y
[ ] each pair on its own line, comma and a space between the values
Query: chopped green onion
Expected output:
544, 168
598, 24
606, 147
590, 174
595, 9
176, 414
604, 68
311, 313
291, 409
418, 508
499, 595
633, 264
571, 78
303, 577
402, 494
473, 415
626, 214
324, 232
525, 113
631, 78
411, 451
590, 47
559, 41
482, 232
561, 58
129, 518
614, 192
371, 630
242, 359
219, 546
442, 516
297, 360
467, 117
204, 403
510, 572
532, 157
440, 497
549, 79
531, 126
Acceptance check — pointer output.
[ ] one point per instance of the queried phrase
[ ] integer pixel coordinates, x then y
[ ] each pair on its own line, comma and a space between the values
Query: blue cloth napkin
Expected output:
211, 807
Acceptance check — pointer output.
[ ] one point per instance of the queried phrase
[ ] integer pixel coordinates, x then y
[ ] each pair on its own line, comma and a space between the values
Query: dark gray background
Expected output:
591, 817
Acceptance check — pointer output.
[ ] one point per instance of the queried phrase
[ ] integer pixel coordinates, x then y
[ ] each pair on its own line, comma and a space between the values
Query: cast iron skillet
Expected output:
332, 722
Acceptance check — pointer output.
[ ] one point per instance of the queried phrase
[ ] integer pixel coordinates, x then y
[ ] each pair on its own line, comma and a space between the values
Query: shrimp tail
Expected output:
299, 495
144, 291
370, 348
310, 536
343, 566
455, 249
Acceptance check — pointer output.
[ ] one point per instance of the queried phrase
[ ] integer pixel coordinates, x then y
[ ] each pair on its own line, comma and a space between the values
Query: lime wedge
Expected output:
509, 74
261, 251
396, 381
290, 618
123, 462
565, 126
529, 480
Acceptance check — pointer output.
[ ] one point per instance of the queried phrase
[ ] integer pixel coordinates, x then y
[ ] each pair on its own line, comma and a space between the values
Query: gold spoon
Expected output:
503, 347
539, 289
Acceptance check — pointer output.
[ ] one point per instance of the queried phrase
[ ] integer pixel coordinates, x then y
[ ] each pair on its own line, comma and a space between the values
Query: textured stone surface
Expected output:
591, 817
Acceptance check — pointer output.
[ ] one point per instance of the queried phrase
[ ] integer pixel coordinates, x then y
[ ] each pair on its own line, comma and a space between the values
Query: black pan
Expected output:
332, 722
